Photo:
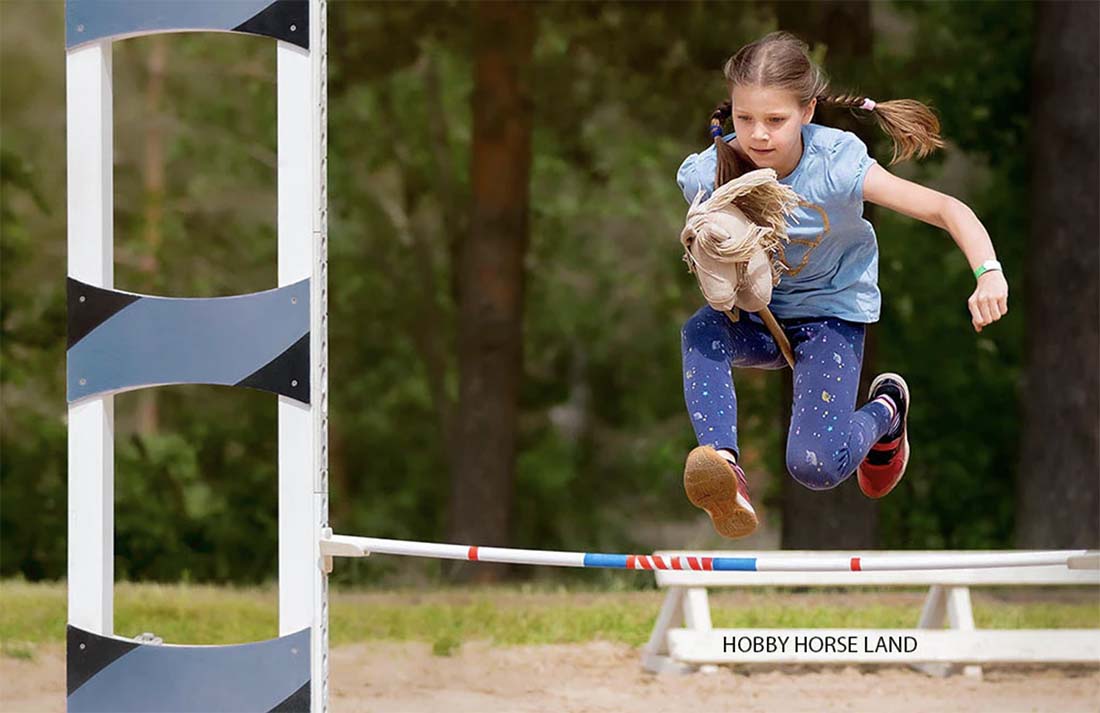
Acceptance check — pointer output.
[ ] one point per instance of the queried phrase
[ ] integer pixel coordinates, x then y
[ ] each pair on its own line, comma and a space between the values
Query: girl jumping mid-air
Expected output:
828, 290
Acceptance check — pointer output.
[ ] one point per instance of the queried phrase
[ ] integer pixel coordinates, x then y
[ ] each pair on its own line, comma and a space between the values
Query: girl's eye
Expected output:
775, 120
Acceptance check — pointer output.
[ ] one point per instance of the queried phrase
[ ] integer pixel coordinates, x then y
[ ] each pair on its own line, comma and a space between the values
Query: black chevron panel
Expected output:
297, 702
108, 673
286, 20
91, 306
286, 374
94, 20
122, 341
88, 654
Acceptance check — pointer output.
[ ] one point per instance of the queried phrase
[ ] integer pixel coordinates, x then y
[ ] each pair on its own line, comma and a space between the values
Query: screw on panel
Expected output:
293, 300
83, 382
293, 382
82, 298
80, 28
293, 28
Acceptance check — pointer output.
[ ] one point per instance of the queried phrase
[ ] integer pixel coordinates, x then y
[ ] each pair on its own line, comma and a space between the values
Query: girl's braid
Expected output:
844, 101
731, 164
914, 128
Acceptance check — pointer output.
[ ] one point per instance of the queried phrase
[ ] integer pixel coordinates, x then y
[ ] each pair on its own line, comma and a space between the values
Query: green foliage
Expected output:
446, 645
622, 92
602, 431
33, 437
959, 491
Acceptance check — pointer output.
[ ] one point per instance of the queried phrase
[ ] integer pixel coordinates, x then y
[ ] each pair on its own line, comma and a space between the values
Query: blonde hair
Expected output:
781, 60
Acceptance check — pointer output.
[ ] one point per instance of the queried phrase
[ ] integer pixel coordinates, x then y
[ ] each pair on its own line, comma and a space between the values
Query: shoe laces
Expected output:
741, 480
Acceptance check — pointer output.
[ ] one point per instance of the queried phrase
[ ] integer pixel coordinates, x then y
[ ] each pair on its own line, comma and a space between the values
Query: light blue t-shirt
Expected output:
833, 252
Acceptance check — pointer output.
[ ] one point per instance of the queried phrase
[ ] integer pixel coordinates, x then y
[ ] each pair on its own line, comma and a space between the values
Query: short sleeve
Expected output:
697, 174
848, 166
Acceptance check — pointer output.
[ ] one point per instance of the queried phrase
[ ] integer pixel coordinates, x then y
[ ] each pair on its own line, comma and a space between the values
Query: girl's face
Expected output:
768, 122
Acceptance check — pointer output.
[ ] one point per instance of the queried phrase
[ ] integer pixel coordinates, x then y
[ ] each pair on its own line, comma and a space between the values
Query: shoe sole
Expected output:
711, 485
904, 432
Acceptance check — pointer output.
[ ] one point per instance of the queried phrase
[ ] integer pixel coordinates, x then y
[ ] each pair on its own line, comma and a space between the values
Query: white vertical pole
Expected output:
89, 126
303, 453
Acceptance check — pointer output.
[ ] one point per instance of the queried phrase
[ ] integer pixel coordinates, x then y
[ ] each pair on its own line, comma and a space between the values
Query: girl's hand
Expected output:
990, 299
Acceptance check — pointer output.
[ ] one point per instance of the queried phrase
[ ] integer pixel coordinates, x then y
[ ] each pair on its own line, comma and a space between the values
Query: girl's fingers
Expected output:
983, 309
986, 309
975, 315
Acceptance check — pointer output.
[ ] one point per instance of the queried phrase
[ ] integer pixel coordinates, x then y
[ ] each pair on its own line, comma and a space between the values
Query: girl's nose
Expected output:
760, 134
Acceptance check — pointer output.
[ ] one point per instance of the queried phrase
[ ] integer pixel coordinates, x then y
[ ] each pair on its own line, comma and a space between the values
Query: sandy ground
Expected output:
597, 677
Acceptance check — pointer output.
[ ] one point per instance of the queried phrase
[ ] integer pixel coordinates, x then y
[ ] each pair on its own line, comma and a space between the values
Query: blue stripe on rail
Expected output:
606, 561
720, 564
734, 564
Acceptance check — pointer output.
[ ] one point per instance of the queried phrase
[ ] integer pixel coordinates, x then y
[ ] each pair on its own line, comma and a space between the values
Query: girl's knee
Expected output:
704, 332
815, 470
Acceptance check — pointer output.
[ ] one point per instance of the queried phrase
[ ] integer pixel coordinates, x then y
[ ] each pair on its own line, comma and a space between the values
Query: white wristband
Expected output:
986, 267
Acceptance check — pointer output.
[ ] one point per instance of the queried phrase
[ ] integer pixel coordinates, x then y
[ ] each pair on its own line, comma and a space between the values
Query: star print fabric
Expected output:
828, 437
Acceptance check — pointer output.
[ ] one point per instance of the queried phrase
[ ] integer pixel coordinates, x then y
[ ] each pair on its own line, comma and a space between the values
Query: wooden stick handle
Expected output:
777, 332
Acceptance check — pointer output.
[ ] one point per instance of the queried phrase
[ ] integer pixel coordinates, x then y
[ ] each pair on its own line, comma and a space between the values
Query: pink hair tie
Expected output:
868, 105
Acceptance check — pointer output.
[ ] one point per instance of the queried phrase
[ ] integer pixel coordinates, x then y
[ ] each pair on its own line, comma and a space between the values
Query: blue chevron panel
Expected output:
120, 341
107, 673
89, 20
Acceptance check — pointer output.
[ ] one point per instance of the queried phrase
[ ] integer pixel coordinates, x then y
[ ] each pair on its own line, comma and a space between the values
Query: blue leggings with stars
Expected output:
828, 437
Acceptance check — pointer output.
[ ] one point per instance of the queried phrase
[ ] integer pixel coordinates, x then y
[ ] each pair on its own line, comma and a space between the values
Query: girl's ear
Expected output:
808, 113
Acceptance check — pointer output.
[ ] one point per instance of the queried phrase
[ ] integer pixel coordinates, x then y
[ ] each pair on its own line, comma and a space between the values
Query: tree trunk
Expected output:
842, 518
152, 178
491, 273
1058, 495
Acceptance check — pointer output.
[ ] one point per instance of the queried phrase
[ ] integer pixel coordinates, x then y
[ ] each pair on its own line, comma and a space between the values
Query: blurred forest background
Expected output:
506, 288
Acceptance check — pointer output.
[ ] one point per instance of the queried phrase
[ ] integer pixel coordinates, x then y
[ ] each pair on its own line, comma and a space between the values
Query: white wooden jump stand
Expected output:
289, 323
683, 639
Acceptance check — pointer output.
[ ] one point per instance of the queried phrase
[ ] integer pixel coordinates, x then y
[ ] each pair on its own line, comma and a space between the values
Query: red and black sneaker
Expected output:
884, 465
718, 486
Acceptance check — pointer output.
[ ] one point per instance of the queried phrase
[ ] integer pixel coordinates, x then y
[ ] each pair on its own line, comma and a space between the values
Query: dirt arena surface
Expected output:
598, 677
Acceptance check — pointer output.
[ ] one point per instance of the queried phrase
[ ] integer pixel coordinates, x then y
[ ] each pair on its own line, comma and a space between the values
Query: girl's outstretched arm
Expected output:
990, 299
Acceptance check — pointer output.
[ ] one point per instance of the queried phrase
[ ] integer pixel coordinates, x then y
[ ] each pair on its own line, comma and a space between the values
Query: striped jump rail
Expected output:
349, 546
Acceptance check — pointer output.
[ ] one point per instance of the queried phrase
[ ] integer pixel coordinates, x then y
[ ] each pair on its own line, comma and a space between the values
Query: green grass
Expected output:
32, 614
